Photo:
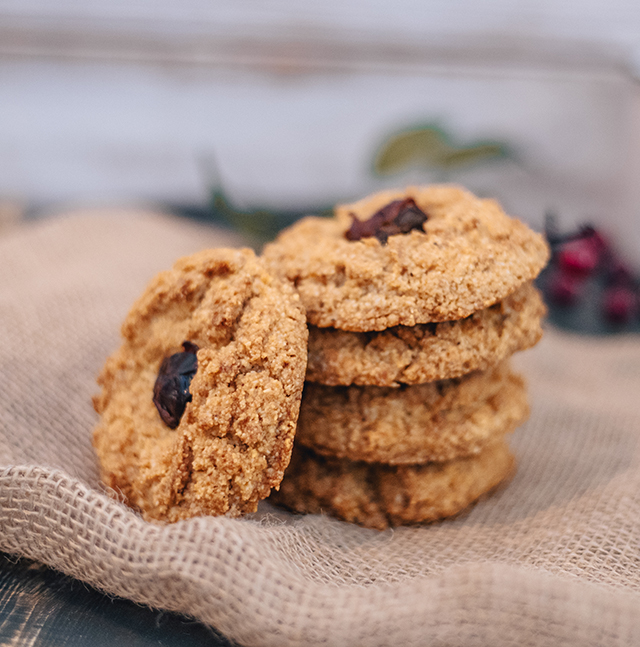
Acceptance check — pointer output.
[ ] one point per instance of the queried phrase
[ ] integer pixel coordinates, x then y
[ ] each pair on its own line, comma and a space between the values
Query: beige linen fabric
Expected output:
552, 559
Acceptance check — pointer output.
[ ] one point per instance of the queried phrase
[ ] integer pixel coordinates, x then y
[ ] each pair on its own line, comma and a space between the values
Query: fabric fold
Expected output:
550, 559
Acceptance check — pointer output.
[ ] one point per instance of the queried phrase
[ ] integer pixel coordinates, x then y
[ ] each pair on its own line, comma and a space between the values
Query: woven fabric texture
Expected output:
551, 559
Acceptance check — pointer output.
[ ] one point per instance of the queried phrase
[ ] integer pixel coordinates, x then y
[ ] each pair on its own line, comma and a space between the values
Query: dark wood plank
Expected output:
40, 607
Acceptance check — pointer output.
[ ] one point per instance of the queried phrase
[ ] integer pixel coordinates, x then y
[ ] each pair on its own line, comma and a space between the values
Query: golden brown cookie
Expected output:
378, 496
218, 319
437, 421
427, 352
469, 256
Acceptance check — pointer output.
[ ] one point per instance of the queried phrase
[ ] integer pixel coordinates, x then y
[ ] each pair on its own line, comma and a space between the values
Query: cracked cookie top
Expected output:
466, 256
228, 341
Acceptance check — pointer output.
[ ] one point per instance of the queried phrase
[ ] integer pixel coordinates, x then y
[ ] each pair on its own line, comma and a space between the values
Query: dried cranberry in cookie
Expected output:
171, 390
397, 217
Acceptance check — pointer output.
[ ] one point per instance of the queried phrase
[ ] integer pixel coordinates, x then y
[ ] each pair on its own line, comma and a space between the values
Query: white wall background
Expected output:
285, 102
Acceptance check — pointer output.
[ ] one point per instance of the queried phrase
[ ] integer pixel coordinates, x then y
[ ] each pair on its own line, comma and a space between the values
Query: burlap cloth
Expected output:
552, 559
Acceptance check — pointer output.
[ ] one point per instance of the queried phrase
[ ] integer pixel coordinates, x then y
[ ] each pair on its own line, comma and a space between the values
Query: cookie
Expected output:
379, 496
198, 407
437, 421
427, 352
465, 257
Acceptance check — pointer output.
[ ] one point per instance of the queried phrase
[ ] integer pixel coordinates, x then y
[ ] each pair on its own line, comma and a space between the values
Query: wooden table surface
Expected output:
40, 607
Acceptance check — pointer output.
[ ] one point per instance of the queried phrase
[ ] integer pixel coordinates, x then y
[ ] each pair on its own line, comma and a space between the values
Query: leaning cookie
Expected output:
427, 352
437, 421
198, 407
379, 496
406, 257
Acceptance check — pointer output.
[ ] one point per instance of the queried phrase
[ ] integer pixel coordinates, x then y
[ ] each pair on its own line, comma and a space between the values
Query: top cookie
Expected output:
469, 256
219, 319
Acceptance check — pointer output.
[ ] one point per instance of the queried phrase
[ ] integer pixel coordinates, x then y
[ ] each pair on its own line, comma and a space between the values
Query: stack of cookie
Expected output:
415, 301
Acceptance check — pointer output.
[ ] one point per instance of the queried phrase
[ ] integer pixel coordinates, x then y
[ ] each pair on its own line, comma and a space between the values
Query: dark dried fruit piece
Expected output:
398, 217
171, 390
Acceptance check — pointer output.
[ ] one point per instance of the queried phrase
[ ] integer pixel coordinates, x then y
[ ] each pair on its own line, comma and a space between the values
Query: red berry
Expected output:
619, 304
564, 289
580, 257
599, 241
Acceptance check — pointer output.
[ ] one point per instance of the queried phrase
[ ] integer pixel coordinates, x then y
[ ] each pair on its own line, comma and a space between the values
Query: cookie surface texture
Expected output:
379, 496
437, 421
469, 256
427, 352
235, 437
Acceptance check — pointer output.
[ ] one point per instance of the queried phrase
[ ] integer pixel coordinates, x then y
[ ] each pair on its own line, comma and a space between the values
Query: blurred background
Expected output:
224, 109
